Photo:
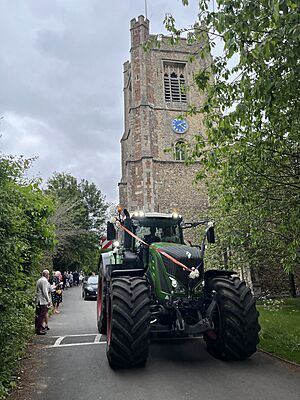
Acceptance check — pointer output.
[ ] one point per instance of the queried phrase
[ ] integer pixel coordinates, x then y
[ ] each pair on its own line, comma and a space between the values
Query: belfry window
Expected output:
180, 150
174, 83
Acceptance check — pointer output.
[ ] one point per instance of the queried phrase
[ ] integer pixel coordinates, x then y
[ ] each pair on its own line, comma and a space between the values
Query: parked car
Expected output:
90, 287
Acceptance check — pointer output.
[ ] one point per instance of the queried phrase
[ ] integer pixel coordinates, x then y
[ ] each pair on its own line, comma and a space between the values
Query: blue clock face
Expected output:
179, 125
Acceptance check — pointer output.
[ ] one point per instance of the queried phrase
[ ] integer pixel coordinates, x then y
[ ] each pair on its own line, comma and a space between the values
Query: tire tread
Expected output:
130, 322
239, 327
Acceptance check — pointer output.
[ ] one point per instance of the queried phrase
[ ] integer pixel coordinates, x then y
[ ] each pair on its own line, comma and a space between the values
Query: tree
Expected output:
251, 154
78, 221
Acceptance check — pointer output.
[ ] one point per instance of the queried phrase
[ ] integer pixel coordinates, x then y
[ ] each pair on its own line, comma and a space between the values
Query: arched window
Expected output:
180, 150
174, 82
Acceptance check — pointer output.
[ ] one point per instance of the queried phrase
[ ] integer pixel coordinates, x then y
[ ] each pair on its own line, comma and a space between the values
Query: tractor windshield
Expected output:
153, 230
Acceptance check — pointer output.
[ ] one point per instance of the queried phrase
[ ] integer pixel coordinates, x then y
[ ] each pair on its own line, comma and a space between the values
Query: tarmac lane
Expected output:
74, 366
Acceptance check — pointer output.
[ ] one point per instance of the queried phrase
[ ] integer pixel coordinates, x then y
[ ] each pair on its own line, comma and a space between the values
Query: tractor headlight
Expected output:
138, 213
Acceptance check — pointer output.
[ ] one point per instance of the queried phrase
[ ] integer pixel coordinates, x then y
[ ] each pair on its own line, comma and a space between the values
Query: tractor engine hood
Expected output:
189, 256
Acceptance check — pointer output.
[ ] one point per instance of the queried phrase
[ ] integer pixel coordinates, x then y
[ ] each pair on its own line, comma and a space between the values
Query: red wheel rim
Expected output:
99, 298
109, 317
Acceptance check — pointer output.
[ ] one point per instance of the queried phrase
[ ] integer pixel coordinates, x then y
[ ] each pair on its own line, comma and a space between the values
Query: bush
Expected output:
24, 236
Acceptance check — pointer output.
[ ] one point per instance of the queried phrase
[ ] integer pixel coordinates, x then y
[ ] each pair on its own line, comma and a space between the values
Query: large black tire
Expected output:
101, 307
235, 336
128, 322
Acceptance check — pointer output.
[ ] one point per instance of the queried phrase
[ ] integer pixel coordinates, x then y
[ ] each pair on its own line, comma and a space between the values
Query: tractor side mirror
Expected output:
111, 231
211, 235
127, 237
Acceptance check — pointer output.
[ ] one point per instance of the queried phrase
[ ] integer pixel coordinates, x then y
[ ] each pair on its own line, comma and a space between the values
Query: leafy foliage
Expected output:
251, 154
78, 220
25, 234
64, 223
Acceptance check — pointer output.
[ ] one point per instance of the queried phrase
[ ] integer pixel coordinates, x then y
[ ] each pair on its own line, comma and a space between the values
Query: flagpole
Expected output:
146, 9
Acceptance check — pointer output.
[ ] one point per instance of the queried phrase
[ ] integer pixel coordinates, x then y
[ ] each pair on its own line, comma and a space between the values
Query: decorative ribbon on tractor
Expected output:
194, 273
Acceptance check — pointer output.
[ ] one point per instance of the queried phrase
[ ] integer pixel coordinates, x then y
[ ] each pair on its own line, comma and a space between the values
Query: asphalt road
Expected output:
75, 367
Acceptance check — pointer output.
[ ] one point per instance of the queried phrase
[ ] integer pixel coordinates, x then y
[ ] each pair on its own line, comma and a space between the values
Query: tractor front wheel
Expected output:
236, 327
128, 322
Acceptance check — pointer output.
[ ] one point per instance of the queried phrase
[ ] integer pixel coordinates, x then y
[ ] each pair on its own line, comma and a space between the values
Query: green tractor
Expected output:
153, 284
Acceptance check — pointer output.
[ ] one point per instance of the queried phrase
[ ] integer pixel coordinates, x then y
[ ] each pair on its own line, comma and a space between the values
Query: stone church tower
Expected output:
154, 179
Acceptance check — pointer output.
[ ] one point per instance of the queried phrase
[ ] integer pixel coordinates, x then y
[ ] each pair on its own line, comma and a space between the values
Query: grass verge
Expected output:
280, 327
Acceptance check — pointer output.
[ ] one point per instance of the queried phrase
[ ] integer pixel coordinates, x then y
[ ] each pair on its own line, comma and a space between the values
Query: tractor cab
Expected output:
157, 228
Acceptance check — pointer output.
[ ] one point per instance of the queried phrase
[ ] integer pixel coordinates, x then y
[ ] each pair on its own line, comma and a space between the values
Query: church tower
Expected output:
154, 174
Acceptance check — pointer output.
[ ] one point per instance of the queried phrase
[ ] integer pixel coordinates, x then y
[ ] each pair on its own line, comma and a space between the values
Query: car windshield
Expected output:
92, 279
164, 229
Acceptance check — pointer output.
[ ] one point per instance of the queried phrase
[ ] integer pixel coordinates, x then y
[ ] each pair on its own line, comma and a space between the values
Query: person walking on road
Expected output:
42, 302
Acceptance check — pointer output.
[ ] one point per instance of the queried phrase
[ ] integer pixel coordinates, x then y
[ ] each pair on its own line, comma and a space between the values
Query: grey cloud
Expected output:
61, 82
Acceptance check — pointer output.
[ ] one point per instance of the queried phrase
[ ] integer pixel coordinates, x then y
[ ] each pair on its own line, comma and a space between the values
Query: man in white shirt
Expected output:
42, 302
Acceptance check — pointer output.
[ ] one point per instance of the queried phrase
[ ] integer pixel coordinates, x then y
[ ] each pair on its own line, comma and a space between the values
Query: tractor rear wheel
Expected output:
235, 318
128, 322
101, 307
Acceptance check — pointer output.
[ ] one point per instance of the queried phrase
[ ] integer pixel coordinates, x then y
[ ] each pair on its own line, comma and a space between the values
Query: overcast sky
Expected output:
61, 81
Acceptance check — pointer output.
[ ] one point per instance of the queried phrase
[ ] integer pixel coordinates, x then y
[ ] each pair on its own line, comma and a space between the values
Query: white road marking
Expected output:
73, 344
58, 341
97, 338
